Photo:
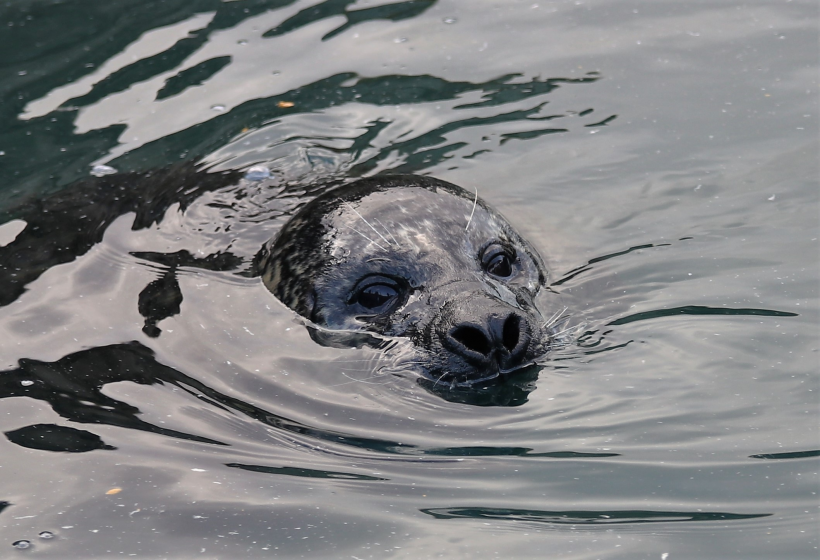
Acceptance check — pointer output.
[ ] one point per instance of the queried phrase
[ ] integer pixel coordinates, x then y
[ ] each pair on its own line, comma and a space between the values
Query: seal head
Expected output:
416, 258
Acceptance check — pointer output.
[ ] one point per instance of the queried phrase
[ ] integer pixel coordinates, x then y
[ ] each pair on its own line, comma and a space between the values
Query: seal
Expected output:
414, 258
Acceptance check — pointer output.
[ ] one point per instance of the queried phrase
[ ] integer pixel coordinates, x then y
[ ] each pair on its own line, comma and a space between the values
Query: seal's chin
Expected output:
508, 388
477, 378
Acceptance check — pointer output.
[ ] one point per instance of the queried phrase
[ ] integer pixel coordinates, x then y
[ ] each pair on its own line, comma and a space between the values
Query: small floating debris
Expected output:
21, 544
257, 173
27, 383
284, 104
217, 108
102, 170
113, 491
46, 535
449, 20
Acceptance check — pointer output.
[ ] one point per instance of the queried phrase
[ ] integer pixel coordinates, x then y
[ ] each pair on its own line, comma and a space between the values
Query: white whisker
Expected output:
554, 318
353, 380
559, 333
388, 232
366, 237
475, 201
368, 223
440, 378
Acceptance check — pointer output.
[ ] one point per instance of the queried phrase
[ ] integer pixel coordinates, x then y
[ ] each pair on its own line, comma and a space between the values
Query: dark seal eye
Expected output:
375, 296
378, 295
498, 261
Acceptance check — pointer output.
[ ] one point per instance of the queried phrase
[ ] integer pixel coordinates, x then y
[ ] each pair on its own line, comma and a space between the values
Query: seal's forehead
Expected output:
409, 202
413, 217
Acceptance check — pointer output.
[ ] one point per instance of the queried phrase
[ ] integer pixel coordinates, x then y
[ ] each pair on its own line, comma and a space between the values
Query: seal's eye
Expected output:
498, 261
376, 295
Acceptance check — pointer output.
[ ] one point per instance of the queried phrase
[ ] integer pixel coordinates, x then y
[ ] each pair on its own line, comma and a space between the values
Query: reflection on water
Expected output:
662, 158
586, 517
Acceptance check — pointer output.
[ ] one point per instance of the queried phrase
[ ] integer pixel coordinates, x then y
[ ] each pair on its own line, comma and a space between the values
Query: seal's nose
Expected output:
501, 338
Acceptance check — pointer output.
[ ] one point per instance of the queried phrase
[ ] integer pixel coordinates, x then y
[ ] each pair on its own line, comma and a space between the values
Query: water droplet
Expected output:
27, 382
217, 108
449, 20
22, 73
22, 544
102, 170
46, 535
400, 40
772, 197
257, 173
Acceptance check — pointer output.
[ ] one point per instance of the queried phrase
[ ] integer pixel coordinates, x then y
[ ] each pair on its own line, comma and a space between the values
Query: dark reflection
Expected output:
604, 122
791, 455
73, 386
66, 225
508, 391
530, 134
66, 41
585, 517
304, 473
159, 300
193, 76
419, 152
394, 11
45, 153
162, 298
698, 310
514, 452
581, 269
4, 505
51, 437
147, 16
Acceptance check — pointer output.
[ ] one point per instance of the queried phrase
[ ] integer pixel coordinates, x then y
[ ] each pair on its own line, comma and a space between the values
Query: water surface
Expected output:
159, 402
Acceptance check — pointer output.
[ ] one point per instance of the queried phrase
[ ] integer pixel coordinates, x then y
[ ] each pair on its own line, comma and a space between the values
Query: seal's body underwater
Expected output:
418, 258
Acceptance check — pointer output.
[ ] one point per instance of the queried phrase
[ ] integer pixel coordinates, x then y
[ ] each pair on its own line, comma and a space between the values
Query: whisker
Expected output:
388, 232
440, 378
561, 321
475, 201
554, 317
366, 237
559, 333
353, 380
368, 223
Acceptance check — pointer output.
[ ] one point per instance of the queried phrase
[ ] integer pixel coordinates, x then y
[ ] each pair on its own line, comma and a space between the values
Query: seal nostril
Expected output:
472, 338
511, 332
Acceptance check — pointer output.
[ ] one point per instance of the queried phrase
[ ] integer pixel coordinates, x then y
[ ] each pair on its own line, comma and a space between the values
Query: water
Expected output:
661, 156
